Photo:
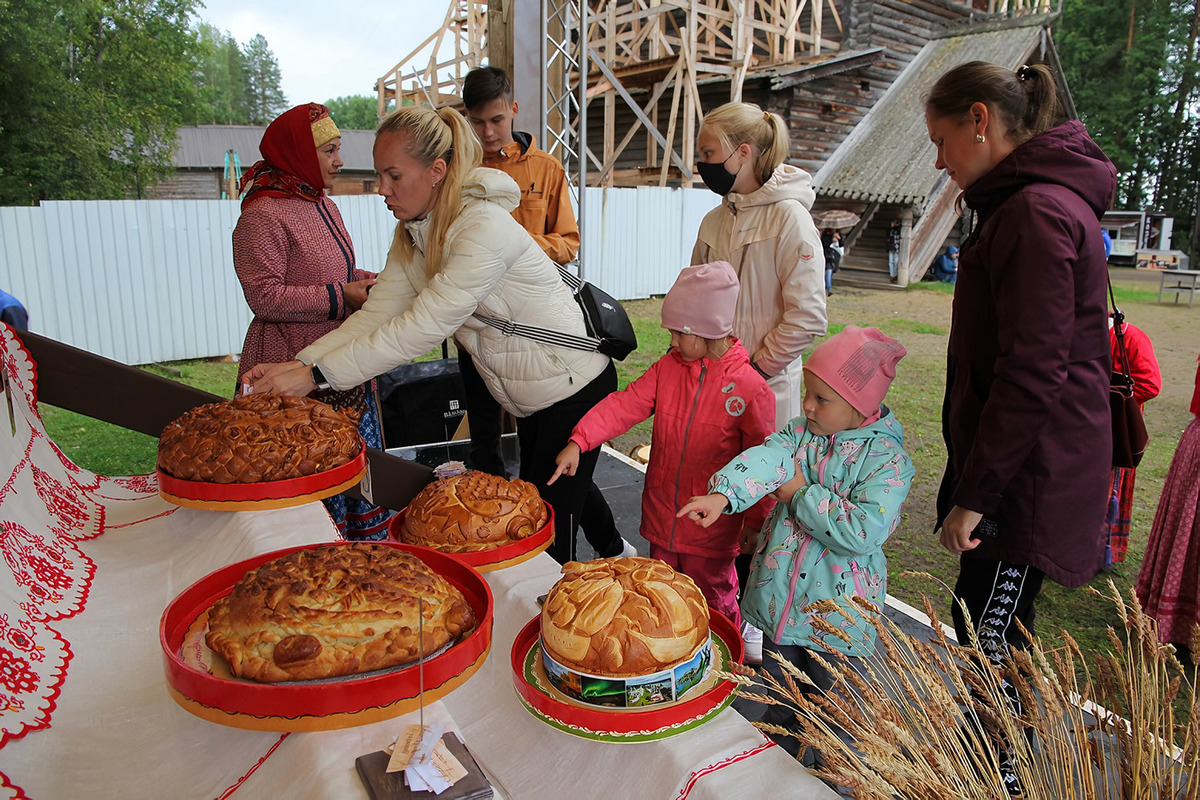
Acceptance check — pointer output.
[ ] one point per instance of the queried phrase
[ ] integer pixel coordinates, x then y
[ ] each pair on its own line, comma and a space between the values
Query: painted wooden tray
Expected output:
506, 555
265, 494
209, 692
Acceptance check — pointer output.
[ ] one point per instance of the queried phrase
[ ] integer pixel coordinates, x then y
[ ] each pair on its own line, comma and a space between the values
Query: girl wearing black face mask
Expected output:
763, 228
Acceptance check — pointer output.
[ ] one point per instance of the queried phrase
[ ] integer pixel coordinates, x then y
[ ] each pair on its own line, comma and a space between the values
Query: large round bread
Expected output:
622, 617
335, 610
473, 511
257, 437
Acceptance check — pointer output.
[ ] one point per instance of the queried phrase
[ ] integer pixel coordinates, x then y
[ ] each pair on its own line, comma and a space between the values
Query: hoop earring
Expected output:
979, 138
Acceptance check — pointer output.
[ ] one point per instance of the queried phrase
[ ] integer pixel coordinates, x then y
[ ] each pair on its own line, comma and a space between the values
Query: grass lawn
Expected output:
918, 317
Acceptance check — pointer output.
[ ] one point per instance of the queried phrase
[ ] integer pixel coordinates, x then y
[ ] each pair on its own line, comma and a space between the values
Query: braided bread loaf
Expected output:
257, 437
473, 511
619, 617
335, 610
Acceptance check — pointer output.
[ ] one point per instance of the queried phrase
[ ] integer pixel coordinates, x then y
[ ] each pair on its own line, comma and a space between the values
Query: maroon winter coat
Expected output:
1026, 417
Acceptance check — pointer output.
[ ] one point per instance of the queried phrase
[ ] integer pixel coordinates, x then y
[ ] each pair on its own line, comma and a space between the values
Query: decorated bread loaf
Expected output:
473, 511
623, 616
335, 610
257, 437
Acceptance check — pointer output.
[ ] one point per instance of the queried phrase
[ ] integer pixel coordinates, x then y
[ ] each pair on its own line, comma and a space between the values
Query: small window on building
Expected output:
864, 86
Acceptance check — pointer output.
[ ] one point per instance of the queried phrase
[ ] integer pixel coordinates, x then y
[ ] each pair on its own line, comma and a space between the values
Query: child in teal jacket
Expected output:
840, 474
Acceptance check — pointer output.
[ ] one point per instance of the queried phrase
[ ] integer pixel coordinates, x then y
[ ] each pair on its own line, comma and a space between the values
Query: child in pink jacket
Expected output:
708, 405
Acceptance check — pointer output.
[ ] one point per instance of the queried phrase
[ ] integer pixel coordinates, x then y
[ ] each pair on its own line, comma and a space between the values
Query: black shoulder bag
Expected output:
1129, 429
608, 327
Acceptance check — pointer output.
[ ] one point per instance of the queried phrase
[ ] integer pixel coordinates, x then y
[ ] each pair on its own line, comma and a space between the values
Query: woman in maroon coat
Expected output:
1025, 418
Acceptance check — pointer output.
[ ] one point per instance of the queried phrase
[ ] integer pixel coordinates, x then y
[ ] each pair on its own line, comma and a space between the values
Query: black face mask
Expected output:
715, 176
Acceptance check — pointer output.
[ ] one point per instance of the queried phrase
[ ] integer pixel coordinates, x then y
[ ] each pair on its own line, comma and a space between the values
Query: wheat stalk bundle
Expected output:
926, 719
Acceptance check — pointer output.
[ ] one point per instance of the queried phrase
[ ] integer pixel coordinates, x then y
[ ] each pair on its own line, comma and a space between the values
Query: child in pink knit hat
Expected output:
708, 405
840, 474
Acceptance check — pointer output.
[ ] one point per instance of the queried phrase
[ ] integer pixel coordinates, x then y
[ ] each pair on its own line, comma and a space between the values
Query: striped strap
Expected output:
545, 335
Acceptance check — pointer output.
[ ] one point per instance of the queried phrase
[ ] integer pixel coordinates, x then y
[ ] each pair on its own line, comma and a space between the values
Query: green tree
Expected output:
354, 112
264, 98
220, 78
90, 95
1132, 69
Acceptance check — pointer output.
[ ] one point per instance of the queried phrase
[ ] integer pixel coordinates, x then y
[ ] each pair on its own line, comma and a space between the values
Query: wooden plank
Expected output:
131, 398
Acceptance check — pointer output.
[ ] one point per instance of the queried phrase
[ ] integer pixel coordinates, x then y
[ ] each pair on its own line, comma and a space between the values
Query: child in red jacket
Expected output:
708, 404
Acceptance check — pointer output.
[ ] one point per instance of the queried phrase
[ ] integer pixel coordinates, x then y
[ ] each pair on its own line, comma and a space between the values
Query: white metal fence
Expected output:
143, 281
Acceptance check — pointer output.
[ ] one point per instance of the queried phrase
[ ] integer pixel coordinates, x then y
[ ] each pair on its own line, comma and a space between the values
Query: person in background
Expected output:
295, 262
840, 474
458, 255
708, 405
1026, 413
893, 249
831, 241
545, 212
12, 313
1168, 583
764, 229
945, 266
1147, 383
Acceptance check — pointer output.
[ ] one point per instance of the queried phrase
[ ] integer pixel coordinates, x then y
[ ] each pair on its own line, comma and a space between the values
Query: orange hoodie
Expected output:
545, 209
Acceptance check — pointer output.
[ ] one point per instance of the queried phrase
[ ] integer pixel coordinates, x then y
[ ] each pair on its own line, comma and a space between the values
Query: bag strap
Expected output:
545, 335
1119, 330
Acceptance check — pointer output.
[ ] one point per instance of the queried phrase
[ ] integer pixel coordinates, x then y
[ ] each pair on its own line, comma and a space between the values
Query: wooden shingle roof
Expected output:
204, 146
888, 157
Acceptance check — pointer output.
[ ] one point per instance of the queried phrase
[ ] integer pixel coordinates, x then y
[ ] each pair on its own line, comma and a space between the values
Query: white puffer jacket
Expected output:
491, 266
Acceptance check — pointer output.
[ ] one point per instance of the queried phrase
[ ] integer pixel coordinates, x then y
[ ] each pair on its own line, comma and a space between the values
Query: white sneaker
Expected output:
628, 549
753, 639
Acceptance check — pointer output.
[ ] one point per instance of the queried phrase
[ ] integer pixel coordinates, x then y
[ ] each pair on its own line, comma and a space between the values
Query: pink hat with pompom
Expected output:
702, 300
859, 364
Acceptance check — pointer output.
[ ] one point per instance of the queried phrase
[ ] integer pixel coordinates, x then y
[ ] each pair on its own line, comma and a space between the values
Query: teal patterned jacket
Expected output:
827, 543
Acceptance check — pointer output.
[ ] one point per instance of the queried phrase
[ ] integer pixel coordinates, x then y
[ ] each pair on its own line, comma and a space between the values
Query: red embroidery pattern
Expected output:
46, 506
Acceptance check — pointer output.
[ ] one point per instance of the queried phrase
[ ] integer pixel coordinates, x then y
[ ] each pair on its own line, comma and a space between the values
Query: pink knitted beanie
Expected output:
702, 300
859, 364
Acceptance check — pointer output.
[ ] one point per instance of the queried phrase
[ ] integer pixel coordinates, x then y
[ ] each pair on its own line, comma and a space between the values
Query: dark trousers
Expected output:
542, 436
997, 595
783, 716
484, 419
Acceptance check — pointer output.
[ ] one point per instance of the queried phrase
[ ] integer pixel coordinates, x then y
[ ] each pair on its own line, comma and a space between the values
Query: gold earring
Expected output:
979, 138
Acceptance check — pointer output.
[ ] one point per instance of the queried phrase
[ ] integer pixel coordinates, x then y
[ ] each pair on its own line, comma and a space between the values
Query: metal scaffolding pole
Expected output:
564, 112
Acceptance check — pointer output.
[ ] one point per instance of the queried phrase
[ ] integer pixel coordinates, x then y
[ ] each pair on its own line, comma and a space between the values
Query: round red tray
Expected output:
317, 705
506, 555
623, 724
265, 494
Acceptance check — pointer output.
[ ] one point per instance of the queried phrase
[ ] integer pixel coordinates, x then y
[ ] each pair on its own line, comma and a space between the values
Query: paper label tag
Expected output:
450, 768
414, 745
427, 763
364, 485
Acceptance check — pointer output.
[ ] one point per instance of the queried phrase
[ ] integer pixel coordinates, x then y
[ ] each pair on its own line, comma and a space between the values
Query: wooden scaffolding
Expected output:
648, 64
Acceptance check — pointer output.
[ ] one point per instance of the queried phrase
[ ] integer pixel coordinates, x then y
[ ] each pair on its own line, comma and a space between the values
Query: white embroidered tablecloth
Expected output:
90, 564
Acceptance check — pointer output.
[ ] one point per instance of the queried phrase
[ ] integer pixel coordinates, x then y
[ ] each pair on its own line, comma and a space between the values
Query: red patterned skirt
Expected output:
1168, 585
1120, 515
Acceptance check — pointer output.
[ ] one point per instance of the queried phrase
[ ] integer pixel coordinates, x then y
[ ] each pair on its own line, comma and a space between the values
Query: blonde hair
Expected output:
766, 133
428, 135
